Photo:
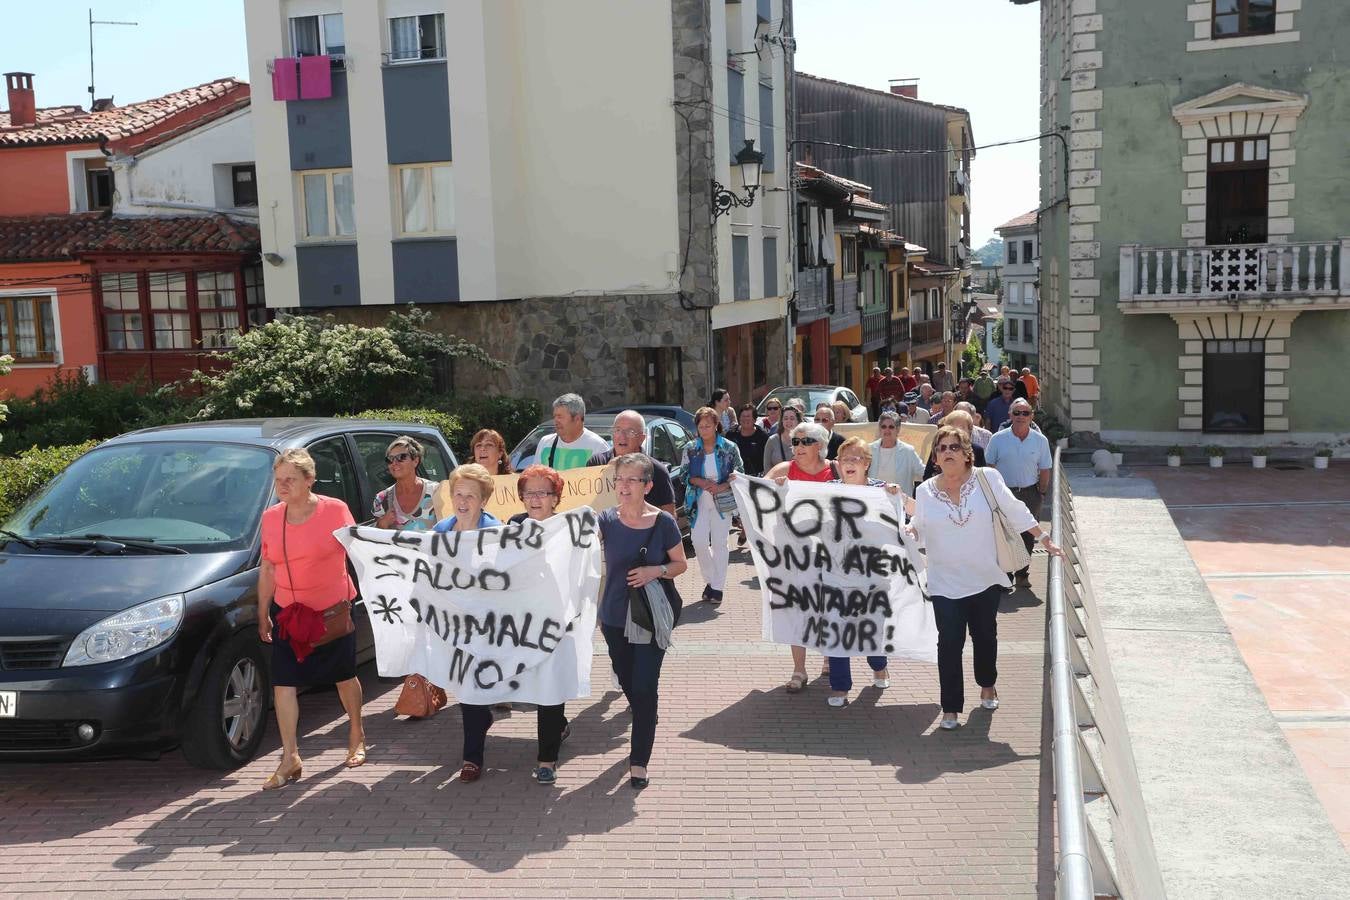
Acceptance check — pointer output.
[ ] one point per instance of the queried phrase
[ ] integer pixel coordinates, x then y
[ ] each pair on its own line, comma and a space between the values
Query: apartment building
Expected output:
1020, 277
1194, 247
543, 188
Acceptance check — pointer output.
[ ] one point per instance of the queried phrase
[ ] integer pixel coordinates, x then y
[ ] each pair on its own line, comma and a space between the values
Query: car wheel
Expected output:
228, 720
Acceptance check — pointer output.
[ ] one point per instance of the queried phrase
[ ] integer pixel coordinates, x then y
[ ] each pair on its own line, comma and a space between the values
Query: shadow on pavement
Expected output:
903, 736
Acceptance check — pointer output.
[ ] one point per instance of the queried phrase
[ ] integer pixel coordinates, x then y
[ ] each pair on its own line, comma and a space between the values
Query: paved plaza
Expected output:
755, 793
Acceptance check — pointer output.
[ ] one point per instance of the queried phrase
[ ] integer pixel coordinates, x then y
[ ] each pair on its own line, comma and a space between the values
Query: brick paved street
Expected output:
755, 793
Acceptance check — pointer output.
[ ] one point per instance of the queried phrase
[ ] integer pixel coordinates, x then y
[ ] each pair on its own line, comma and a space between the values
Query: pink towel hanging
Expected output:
316, 78
285, 79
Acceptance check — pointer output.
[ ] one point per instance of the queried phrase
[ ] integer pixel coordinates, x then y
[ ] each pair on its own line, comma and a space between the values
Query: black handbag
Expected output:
639, 605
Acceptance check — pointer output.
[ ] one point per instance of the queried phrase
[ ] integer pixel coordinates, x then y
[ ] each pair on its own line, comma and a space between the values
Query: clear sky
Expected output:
982, 55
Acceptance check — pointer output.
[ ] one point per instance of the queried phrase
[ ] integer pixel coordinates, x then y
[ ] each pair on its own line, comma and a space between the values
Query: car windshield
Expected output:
197, 496
809, 398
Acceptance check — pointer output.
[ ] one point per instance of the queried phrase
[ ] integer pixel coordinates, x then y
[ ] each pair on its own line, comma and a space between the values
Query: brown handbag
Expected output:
419, 699
337, 619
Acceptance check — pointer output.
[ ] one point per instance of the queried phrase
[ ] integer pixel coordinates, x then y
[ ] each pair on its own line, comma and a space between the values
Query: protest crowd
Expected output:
888, 539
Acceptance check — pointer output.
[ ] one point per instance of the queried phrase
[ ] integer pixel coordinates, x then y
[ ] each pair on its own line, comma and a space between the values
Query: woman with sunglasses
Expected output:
808, 463
773, 411
962, 420
406, 504
489, 451
778, 448
965, 581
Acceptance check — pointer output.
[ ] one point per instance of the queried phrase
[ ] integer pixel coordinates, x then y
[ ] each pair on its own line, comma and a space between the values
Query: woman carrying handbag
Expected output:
970, 523
304, 607
708, 464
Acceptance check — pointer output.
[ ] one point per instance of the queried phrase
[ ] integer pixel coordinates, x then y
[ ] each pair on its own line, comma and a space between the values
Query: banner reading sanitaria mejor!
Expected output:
492, 616
837, 572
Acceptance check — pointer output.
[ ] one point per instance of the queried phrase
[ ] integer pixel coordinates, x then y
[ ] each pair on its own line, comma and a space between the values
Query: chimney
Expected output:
22, 107
905, 87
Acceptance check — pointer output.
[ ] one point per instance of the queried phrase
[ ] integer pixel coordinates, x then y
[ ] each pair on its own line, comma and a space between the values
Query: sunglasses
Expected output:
773, 408
398, 458
804, 442
1022, 413
887, 427
1006, 387
950, 448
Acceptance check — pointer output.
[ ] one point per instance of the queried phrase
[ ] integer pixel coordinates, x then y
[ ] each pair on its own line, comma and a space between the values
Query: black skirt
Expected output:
328, 664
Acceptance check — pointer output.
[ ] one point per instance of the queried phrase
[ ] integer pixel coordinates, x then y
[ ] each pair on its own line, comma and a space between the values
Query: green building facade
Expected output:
1195, 242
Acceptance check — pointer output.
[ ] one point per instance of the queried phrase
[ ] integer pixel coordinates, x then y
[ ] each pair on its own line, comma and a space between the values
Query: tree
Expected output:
998, 334
307, 365
972, 357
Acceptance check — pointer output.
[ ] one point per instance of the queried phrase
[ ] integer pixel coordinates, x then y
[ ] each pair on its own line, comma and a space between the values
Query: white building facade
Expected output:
1020, 276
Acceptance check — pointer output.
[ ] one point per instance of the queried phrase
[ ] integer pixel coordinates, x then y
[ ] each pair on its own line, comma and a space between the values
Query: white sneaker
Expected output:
614, 681
836, 701
950, 724
991, 703
882, 683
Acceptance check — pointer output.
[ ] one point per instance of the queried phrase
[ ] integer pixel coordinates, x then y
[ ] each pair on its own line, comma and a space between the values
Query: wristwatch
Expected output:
664, 570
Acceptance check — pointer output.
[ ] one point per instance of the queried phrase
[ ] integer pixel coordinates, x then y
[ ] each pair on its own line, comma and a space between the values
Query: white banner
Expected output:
492, 616
837, 570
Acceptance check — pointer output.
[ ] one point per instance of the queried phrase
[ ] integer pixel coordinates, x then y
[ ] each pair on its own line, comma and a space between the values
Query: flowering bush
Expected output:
306, 365
6, 363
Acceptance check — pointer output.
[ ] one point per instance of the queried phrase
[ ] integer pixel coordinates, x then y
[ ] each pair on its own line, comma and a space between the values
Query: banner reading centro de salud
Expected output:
837, 572
492, 616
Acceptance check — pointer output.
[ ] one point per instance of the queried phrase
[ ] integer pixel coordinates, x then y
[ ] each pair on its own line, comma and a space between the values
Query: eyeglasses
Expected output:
950, 448
537, 495
629, 479
887, 427
398, 458
1022, 412
852, 460
804, 442
628, 432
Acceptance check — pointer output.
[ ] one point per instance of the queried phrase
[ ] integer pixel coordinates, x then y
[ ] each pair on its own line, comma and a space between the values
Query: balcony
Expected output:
925, 332
1310, 275
875, 328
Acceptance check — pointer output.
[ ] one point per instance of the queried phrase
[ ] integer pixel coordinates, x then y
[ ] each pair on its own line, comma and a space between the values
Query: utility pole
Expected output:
92, 23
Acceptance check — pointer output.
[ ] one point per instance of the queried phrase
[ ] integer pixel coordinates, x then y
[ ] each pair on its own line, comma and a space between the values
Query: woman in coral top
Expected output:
304, 572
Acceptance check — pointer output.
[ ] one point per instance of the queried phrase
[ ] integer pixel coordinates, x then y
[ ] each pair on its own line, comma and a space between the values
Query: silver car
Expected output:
812, 395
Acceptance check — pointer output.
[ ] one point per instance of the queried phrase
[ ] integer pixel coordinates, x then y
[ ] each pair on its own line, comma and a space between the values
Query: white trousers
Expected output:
709, 534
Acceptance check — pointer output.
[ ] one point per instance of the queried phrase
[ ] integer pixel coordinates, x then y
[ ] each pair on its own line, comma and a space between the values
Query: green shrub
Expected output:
458, 418
24, 475
445, 423
69, 410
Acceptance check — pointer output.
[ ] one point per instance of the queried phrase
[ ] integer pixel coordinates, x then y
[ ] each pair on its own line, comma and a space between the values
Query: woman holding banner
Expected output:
489, 451
779, 446
642, 544
708, 464
808, 463
540, 488
957, 524
470, 487
406, 504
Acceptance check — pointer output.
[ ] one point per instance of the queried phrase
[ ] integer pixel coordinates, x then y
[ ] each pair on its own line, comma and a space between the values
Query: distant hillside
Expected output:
991, 254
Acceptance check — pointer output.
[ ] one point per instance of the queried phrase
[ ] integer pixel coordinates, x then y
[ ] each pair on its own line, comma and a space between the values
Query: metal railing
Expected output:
1082, 871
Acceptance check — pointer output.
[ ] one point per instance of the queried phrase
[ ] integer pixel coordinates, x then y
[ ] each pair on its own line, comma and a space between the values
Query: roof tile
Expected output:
45, 238
1020, 222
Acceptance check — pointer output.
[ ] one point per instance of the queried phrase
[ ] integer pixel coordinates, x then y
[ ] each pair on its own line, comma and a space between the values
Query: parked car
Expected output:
128, 622
665, 441
650, 410
812, 395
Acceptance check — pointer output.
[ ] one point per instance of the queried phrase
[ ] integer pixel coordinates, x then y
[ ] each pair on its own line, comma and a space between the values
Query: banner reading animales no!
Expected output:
836, 570
495, 615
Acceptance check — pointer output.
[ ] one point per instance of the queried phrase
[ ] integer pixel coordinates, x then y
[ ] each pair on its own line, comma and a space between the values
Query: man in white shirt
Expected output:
894, 461
1022, 456
572, 444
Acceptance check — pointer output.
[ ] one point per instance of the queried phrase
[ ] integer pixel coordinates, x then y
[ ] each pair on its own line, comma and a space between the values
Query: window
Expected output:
123, 325
1237, 190
255, 299
1028, 254
417, 37
1029, 294
217, 309
1014, 293
1233, 387
170, 319
99, 184
427, 199
759, 354
27, 329
318, 35
771, 267
1029, 331
849, 254
335, 476
245, 182
372, 446
740, 267
329, 203
735, 114
1012, 330
934, 303
1012, 253
1238, 18
766, 142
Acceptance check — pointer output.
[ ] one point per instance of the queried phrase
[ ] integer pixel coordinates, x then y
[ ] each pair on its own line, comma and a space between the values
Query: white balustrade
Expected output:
1312, 268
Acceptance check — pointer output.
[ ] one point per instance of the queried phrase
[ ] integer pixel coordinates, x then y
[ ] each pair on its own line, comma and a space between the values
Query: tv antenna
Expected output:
92, 23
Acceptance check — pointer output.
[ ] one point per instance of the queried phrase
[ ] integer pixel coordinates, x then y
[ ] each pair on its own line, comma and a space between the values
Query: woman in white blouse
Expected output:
965, 581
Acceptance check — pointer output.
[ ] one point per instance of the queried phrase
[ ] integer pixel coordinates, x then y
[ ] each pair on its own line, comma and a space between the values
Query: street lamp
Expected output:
751, 162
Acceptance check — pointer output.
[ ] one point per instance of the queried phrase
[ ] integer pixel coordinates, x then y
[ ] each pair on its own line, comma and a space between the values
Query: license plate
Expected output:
9, 704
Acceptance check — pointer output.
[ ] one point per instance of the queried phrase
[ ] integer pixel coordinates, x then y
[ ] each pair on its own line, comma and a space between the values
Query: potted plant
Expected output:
1174, 456
1322, 457
1116, 454
1215, 454
1259, 458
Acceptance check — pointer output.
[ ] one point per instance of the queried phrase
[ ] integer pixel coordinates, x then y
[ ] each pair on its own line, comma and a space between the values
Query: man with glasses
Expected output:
996, 410
825, 418
630, 430
894, 461
1022, 457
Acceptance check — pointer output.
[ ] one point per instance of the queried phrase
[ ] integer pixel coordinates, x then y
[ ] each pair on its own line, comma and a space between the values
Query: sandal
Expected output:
357, 757
469, 772
797, 683
280, 779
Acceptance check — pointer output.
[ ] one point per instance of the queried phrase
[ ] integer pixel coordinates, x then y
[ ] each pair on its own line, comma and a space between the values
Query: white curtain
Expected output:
403, 39
416, 209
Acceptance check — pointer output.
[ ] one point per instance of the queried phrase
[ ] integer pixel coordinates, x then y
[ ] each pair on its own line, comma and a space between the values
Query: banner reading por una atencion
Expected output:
492, 616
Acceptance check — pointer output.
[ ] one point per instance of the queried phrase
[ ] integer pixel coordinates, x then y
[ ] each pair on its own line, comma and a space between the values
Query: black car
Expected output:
128, 618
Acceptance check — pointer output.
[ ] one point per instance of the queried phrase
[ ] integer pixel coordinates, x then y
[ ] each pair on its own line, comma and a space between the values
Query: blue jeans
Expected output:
639, 669
841, 673
977, 614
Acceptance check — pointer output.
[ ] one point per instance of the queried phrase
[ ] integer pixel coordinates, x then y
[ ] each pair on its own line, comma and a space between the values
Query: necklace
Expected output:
957, 513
